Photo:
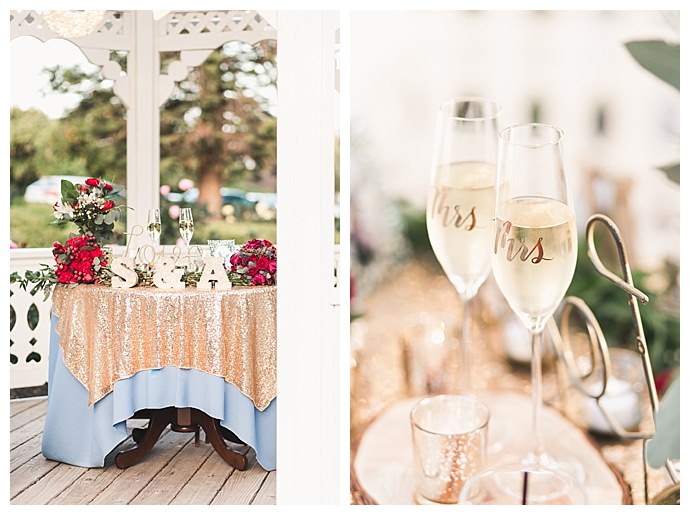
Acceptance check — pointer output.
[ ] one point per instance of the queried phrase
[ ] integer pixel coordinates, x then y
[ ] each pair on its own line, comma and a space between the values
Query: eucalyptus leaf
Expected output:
658, 57
109, 217
672, 171
99, 219
68, 189
666, 442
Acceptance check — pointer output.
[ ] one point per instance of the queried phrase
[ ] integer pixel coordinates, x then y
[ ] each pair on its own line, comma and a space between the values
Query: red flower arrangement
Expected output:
256, 261
80, 260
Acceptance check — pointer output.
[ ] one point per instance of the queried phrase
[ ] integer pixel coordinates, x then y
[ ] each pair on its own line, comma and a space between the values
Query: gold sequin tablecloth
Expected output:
108, 334
377, 371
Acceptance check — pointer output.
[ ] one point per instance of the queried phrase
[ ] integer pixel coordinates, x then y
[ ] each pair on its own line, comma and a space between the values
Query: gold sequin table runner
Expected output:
108, 334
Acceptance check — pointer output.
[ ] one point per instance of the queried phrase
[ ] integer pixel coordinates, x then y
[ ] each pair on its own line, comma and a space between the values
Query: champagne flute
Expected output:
534, 246
460, 202
153, 226
186, 225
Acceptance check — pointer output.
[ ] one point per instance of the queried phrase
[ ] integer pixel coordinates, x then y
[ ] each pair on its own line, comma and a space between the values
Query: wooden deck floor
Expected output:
174, 472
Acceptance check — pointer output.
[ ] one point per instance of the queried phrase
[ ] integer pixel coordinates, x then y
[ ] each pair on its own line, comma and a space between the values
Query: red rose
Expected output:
235, 259
272, 267
93, 182
107, 205
262, 263
252, 271
65, 277
107, 187
258, 279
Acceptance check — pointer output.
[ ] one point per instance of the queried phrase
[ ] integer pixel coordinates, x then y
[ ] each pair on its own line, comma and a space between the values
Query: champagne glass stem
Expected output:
539, 449
465, 367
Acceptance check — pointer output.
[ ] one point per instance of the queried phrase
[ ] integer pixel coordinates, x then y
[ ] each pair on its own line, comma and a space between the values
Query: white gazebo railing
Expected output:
29, 323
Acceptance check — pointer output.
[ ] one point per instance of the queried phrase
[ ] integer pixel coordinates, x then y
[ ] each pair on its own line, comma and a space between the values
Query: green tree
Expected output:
29, 132
218, 125
93, 135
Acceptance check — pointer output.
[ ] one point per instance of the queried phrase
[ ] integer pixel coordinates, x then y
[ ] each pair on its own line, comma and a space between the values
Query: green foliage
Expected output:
659, 57
672, 171
30, 227
666, 442
610, 305
43, 279
218, 123
217, 127
31, 134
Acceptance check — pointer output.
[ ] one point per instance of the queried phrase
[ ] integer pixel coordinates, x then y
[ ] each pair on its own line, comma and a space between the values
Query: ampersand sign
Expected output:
214, 272
167, 276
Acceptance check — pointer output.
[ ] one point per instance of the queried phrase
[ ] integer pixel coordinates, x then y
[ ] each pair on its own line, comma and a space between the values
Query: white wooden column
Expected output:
307, 447
143, 122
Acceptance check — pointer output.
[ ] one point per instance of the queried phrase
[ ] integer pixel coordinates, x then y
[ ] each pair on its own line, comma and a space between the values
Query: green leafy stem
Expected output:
45, 278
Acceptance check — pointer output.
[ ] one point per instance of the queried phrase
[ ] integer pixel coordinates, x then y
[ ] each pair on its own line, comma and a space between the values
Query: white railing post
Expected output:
307, 352
28, 346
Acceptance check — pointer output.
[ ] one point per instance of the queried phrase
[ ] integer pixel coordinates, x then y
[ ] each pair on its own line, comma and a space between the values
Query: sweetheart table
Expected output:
191, 358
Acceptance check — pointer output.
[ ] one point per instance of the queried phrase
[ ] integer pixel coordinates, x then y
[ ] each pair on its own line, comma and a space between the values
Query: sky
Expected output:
28, 57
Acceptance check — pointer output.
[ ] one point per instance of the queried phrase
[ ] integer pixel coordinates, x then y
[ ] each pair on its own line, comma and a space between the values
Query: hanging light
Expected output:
73, 24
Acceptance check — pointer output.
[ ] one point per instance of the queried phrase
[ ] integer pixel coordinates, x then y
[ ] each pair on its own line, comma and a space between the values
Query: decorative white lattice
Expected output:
196, 34
214, 22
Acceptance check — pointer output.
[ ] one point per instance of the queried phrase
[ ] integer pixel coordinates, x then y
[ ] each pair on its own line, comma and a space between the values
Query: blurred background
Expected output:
218, 140
572, 69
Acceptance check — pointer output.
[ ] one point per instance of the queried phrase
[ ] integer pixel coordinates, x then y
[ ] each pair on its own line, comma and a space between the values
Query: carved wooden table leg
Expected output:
211, 426
185, 420
229, 435
159, 421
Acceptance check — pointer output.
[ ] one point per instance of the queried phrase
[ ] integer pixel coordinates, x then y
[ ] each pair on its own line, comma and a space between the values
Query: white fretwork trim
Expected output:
196, 34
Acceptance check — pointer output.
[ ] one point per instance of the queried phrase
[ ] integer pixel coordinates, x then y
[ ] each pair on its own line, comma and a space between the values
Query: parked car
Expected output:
242, 207
266, 204
46, 190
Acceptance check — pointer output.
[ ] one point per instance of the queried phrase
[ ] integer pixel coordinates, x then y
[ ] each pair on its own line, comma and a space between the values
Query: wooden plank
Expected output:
242, 486
26, 475
95, 480
17, 406
50, 485
27, 415
25, 452
267, 492
205, 484
126, 486
175, 474
27, 432
88, 486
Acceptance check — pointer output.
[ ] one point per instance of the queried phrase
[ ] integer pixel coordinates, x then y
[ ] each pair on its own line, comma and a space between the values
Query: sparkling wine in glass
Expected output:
186, 225
534, 248
153, 225
461, 201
